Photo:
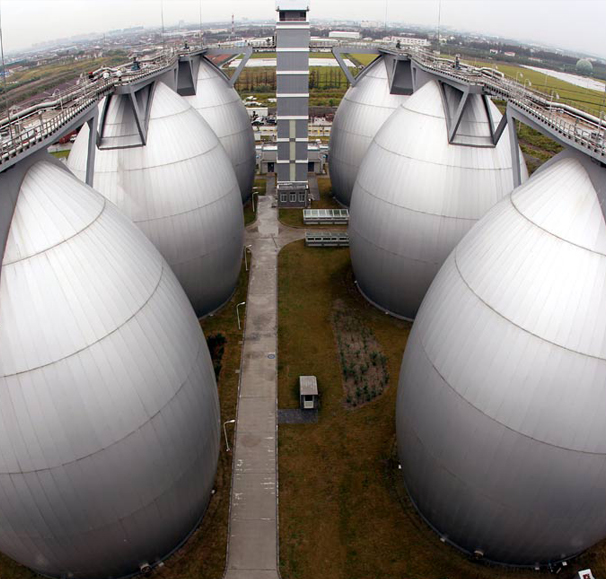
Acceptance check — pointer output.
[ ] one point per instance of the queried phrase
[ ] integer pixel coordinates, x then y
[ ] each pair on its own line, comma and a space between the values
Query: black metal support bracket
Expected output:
137, 104
514, 147
245, 51
93, 123
454, 123
339, 51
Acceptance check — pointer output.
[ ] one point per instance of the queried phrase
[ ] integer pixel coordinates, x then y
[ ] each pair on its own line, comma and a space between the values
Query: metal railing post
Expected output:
247, 247
225, 433
238, 313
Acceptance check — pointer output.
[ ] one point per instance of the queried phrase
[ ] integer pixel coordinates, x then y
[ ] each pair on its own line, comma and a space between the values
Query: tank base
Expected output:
383, 309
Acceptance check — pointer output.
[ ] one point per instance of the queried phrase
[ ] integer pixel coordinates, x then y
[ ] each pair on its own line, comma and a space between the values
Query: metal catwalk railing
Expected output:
20, 130
583, 127
570, 122
27, 127
28, 130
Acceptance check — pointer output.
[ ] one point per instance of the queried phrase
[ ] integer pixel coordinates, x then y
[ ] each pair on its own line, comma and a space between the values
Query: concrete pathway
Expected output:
253, 524
314, 190
270, 185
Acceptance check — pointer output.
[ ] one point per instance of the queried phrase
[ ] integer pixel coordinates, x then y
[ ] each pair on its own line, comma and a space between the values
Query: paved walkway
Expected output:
253, 524
270, 185
314, 190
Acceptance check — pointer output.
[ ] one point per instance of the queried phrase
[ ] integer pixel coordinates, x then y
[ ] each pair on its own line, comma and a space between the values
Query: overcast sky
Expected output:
577, 25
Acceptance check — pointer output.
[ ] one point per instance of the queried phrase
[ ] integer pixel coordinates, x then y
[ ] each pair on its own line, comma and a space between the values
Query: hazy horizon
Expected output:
28, 22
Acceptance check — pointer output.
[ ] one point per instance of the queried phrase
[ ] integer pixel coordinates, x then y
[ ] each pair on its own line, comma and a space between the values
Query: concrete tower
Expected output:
292, 46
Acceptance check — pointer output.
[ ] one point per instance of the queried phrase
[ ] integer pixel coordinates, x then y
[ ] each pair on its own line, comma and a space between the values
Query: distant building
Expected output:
510, 54
410, 41
494, 51
371, 24
255, 112
344, 35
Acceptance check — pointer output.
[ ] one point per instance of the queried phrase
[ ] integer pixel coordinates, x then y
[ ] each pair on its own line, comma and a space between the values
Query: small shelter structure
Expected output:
308, 392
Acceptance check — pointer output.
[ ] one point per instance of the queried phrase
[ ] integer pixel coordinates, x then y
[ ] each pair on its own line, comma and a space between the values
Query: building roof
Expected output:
292, 4
308, 385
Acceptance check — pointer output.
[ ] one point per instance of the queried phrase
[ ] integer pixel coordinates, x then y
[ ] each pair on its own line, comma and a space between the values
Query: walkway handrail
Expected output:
71, 103
584, 128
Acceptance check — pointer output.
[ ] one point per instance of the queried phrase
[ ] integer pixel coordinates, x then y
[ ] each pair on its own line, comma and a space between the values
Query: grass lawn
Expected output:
343, 511
13, 570
582, 98
327, 85
260, 186
328, 77
34, 80
60, 154
365, 59
72, 67
257, 55
249, 214
294, 217
537, 148
326, 97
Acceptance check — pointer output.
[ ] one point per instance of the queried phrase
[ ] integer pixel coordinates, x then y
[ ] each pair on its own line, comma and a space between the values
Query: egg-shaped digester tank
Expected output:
362, 112
221, 107
180, 189
500, 423
417, 195
109, 432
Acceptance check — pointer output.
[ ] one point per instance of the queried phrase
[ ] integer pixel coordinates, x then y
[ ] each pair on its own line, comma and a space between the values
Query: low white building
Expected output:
371, 24
344, 35
410, 41
257, 112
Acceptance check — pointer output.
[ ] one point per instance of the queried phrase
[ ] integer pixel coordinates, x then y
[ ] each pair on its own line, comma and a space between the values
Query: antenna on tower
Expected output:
233, 27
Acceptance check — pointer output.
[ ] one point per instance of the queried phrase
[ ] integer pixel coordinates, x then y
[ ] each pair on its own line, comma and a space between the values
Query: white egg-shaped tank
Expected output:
221, 107
500, 409
362, 112
417, 195
180, 189
109, 428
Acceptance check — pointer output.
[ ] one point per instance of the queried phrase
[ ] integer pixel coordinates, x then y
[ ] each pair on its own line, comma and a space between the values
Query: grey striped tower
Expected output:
292, 46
